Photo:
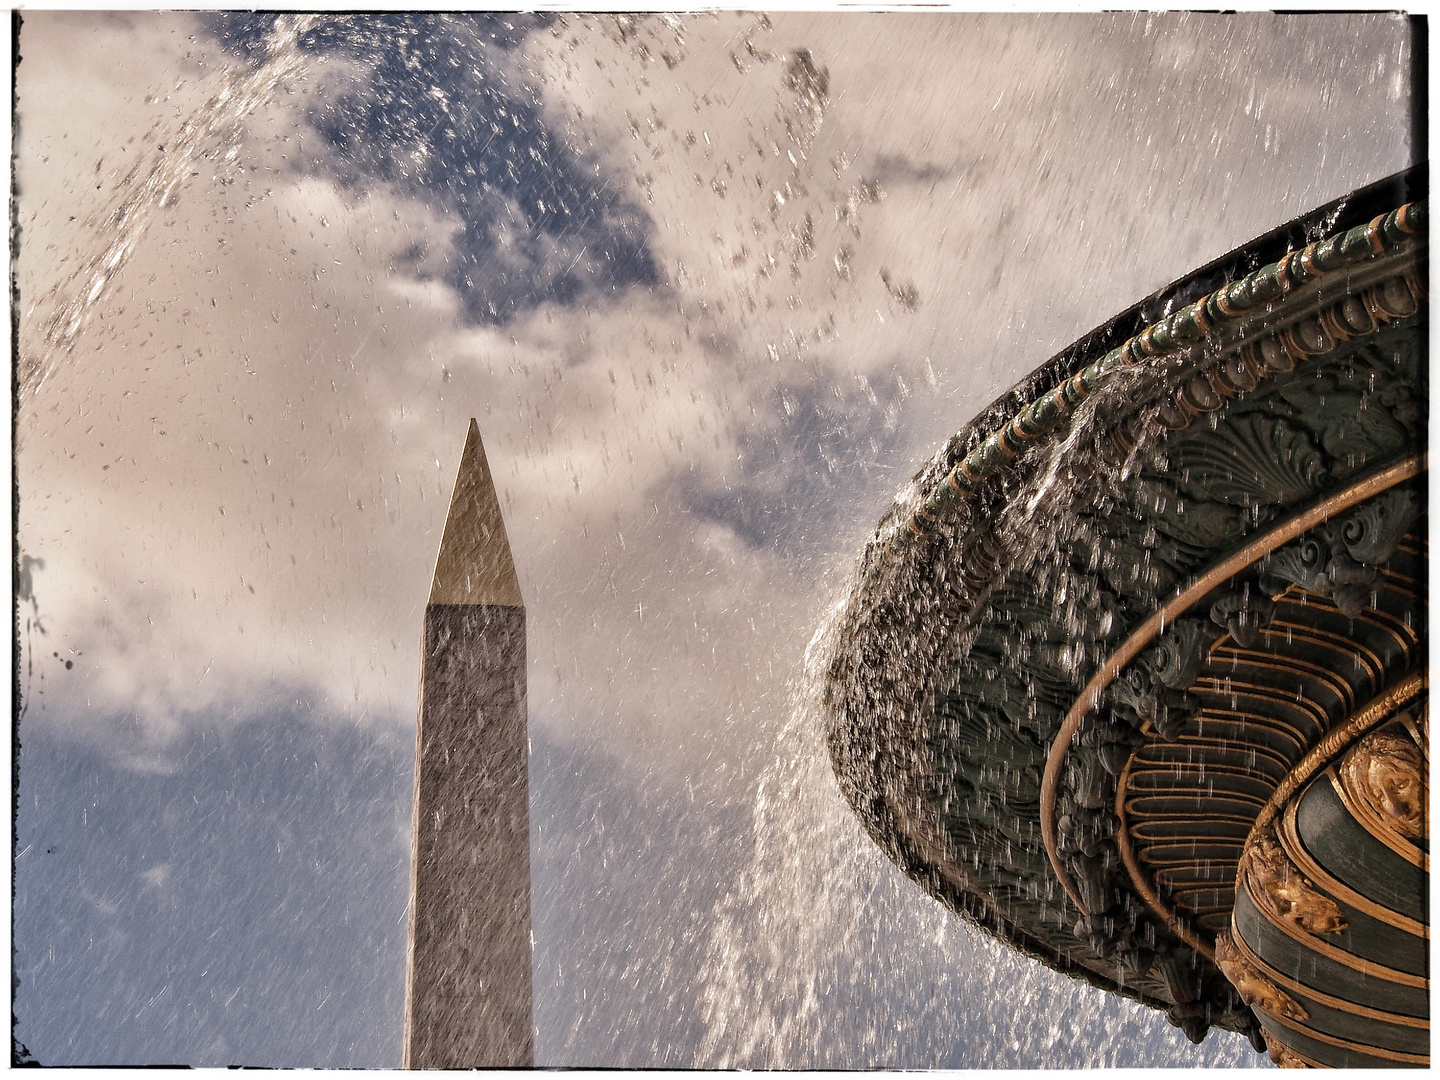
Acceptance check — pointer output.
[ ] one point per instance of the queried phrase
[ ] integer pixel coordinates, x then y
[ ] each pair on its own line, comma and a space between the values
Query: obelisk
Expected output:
467, 979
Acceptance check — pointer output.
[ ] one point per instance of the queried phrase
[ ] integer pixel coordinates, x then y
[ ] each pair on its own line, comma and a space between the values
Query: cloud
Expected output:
237, 481
792, 477
433, 108
237, 478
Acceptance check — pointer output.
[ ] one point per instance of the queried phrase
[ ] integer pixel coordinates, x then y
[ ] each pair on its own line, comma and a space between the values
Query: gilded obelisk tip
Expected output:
475, 565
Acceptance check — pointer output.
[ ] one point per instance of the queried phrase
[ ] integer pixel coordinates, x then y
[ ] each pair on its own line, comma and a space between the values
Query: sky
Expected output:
714, 287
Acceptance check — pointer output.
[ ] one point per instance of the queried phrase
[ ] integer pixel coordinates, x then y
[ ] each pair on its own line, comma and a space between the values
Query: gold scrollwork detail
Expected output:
1385, 772
1255, 989
1278, 886
1141, 638
1283, 1056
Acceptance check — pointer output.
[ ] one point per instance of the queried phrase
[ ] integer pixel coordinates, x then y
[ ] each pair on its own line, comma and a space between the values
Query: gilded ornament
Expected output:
1284, 1057
948, 688
1385, 771
1255, 989
1278, 887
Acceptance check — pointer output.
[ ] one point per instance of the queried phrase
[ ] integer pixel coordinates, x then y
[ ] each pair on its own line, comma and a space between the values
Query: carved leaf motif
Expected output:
1243, 612
1176, 657
1339, 560
1094, 881
1403, 402
1090, 783
1373, 532
1197, 522
1386, 771
1305, 563
1278, 887
1365, 432
1204, 524
1353, 427
1255, 989
1178, 970
1255, 459
1138, 697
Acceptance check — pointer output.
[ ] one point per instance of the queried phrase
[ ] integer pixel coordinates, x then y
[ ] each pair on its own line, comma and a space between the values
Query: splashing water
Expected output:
212, 133
823, 954
797, 954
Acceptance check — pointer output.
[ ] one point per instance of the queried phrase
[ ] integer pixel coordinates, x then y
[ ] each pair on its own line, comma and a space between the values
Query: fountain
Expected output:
717, 277
1134, 672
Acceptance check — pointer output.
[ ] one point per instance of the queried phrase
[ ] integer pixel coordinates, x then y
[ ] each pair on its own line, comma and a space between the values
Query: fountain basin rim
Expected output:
1390, 243
928, 573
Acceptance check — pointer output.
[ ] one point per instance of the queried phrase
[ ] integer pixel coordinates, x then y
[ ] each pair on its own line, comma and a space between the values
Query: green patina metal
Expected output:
1189, 326
1053, 526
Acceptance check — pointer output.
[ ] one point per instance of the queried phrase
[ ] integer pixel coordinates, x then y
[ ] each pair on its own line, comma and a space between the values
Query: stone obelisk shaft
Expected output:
467, 981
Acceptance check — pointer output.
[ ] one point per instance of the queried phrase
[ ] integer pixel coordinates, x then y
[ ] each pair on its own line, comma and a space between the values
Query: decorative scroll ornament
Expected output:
1286, 1058
1339, 560
1371, 534
1255, 989
1385, 770
1243, 613
1276, 885
1154, 690
1260, 458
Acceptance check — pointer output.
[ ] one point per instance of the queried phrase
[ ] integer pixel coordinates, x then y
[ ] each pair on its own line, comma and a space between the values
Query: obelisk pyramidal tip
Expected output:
468, 981
475, 566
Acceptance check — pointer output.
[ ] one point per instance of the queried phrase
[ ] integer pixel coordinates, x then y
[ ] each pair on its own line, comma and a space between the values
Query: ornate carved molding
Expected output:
1386, 773
971, 630
1090, 698
1264, 337
1278, 886
1255, 989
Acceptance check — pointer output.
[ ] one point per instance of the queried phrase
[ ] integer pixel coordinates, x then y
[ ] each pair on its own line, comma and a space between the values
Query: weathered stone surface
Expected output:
468, 998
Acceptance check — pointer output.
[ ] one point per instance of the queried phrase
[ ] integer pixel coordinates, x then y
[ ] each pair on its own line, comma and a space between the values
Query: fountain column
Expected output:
467, 981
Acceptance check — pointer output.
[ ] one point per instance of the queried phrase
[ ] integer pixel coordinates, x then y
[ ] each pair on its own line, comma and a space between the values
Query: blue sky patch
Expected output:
444, 117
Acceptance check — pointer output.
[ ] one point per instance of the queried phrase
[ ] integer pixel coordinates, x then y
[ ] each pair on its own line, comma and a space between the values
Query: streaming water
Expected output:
820, 916
208, 139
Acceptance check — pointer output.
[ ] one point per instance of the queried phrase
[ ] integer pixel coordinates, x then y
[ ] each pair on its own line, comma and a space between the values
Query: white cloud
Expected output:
157, 875
238, 480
